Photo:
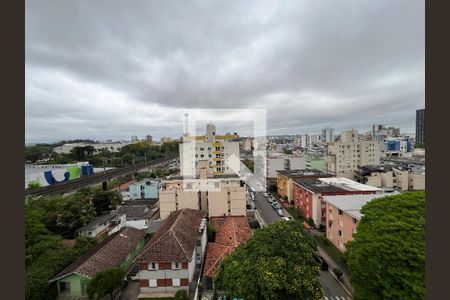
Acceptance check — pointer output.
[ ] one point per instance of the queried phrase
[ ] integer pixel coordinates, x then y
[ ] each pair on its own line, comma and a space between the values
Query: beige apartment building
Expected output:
344, 157
219, 195
343, 214
216, 149
392, 177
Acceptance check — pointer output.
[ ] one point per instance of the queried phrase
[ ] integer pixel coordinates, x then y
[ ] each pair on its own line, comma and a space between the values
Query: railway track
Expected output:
72, 185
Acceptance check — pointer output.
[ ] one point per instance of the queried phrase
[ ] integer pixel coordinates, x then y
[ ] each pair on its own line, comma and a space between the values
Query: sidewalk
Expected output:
344, 278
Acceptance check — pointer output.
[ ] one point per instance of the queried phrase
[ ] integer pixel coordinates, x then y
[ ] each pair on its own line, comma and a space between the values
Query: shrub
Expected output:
338, 273
181, 295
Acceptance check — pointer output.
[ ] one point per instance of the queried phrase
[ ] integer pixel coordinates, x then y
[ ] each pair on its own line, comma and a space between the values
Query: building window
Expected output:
153, 266
340, 233
340, 212
175, 281
176, 265
152, 283
355, 221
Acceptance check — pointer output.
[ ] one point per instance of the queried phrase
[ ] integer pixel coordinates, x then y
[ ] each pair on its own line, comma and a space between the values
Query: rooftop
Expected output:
137, 212
98, 221
303, 173
175, 238
107, 254
352, 204
348, 184
317, 186
231, 232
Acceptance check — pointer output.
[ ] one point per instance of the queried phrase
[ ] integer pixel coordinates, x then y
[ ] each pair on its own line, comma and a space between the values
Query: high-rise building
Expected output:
327, 135
149, 138
344, 157
212, 147
420, 126
134, 138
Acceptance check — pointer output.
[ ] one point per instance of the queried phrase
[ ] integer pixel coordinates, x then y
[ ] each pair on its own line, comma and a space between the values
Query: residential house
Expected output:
117, 250
171, 259
103, 225
230, 233
138, 216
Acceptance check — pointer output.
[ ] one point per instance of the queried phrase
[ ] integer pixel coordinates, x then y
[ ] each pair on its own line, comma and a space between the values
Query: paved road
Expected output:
266, 210
332, 288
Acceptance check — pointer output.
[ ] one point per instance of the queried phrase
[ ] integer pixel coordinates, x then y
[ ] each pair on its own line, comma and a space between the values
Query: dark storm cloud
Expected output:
104, 69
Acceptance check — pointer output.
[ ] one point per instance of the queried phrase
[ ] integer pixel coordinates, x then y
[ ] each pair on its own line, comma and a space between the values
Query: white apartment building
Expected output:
327, 135
344, 157
212, 147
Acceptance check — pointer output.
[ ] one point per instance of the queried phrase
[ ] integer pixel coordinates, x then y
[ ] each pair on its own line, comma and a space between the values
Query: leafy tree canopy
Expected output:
278, 262
104, 283
386, 259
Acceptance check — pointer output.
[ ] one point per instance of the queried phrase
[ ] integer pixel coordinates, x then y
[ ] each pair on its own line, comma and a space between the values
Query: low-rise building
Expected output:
343, 214
400, 177
117, 250
219, 195
168, 261
103, 225
145, 189
285, 179
230, 233
309, 193
138, 216
277, 162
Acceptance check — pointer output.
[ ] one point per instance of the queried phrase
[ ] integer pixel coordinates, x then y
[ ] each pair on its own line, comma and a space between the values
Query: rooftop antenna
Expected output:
185, 124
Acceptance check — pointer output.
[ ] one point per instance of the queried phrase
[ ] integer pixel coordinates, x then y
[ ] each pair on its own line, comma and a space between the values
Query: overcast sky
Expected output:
112, 69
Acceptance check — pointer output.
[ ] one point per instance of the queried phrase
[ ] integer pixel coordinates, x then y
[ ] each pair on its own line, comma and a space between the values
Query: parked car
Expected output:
323, 263
269, 200
286, 218
275, 205
265, 194
280, 212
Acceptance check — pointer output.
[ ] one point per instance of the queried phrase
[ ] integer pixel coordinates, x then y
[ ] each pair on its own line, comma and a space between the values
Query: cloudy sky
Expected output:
112, 69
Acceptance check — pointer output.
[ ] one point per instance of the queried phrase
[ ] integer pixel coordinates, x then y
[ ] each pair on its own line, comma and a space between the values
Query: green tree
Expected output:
106, 200
278, 262
105, 282
75, 211
250, 164
386, 259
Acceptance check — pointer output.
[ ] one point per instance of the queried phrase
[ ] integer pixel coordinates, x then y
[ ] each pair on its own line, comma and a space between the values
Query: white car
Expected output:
266, 195
280, 212
286, 218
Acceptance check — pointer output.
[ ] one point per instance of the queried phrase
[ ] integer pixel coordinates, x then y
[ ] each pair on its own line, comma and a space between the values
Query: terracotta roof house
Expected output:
168, 261
117, 250
230, 233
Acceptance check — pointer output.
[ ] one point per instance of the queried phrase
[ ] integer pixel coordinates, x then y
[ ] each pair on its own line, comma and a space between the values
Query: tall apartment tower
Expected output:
327, 135
216, 149
344, 157
420, 126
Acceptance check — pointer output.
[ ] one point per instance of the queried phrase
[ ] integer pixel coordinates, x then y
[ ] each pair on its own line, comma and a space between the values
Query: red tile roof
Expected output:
175, 239
107, 254
231, 232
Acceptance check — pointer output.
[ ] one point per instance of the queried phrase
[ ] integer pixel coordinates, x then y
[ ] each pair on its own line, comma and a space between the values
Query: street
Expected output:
332, 288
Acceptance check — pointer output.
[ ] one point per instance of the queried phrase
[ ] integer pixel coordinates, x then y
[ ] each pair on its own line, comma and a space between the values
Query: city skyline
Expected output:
133, 69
